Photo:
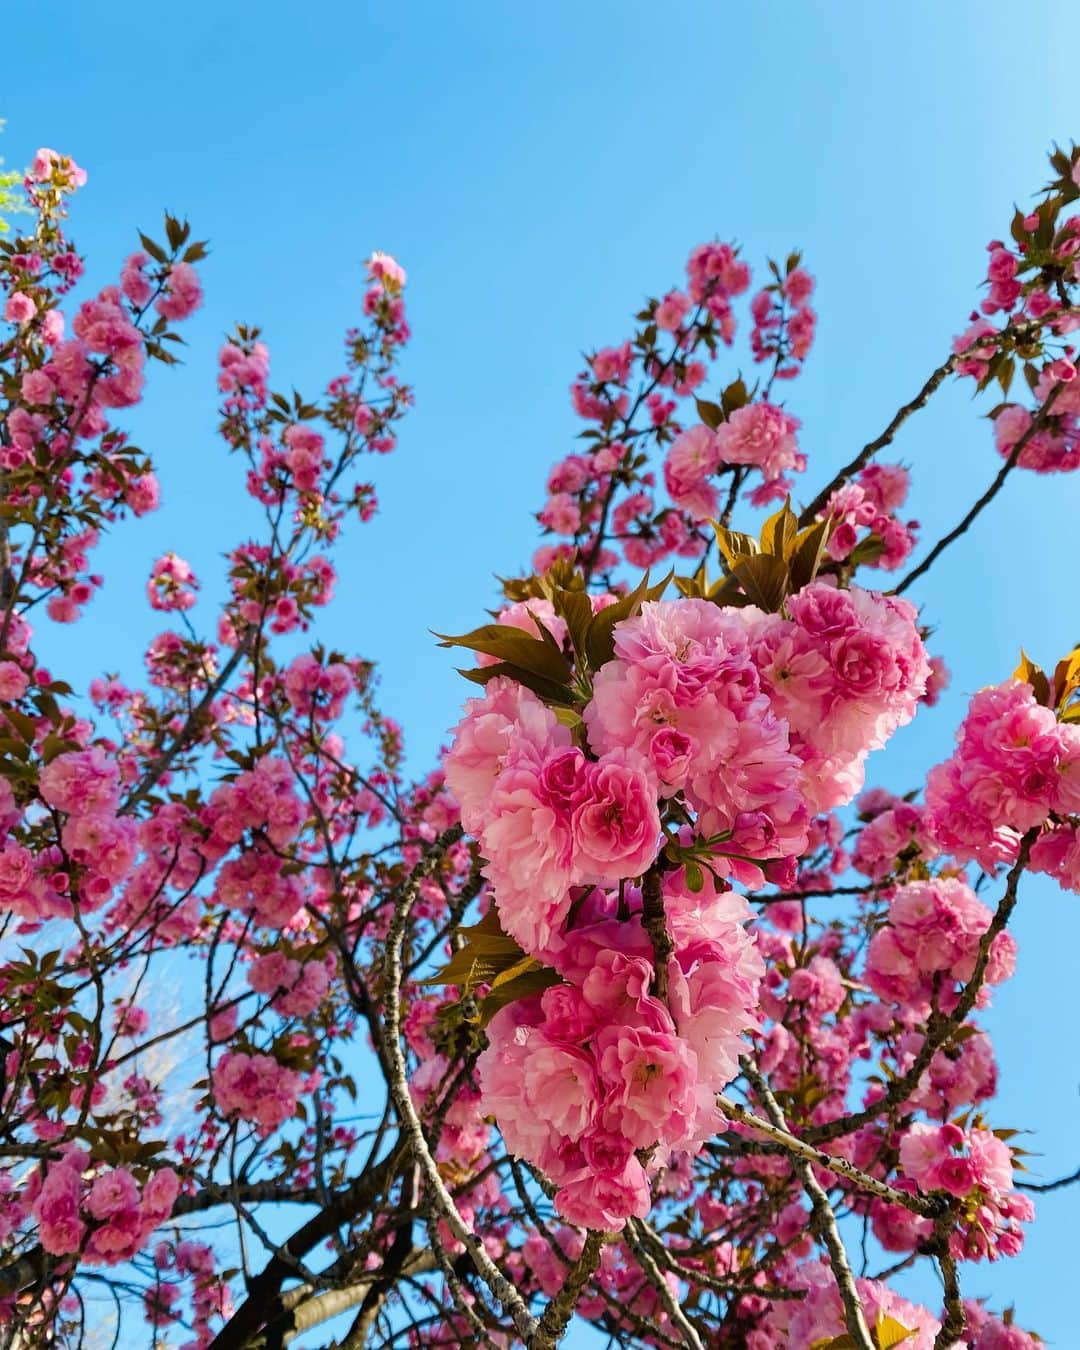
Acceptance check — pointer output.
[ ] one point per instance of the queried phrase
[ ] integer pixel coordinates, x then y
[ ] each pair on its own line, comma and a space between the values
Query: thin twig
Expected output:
939, 1028
1036, 425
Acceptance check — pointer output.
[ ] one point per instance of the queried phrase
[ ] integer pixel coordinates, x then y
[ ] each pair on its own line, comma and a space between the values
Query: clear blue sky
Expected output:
538, 169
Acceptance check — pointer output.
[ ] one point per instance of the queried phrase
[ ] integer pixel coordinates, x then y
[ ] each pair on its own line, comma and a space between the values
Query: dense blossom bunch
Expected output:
107, 1218
929, 945
1015, 766
598, 1081
687, 736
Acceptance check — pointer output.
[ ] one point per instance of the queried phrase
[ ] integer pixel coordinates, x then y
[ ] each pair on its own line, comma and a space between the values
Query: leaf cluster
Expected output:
540, 663
766, 570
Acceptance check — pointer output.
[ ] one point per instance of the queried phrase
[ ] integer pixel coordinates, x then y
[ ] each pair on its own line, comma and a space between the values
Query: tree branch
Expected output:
824, 1221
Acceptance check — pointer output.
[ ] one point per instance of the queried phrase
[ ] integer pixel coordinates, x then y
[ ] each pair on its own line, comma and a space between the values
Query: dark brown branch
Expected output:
263, 1303
1044, 1187
867, 453
654, 921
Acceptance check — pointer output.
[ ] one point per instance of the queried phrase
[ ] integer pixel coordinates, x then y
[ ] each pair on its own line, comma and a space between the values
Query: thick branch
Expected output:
556, 1316
263, 1303
398, 1084
918, 1204
336, 1301
824, 1221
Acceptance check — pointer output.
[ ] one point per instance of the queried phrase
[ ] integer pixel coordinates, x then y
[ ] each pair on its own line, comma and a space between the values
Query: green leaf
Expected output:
23, 725
867, 550
525, 985
490, 956
695, 878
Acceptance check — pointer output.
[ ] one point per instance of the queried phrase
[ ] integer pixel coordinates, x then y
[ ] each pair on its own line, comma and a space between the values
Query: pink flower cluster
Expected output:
84, 785
975, 1166
256, 1088
597, 1081
818, 1318
869, 504
759, 435
172, 584
693, 709
900, 831
107, 1217
784, 322
927, 949
318, 689
844, 671
547, 818
1053, 448
297, 986
684, 699
210, 1295
1014, 765
608, 494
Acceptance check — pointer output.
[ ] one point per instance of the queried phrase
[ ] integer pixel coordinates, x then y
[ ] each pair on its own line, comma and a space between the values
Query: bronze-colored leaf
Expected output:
734, 545
710, 413
779, 531
764, 580
735, 396
1031, 674
556, 695
808, 553
575, 608
1066, 677
511, 645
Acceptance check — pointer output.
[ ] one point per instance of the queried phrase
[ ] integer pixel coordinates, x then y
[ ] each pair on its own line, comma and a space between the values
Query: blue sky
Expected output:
537, 170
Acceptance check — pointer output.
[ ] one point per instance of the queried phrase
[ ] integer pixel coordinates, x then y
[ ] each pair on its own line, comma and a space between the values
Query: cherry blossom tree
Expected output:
640, 1008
